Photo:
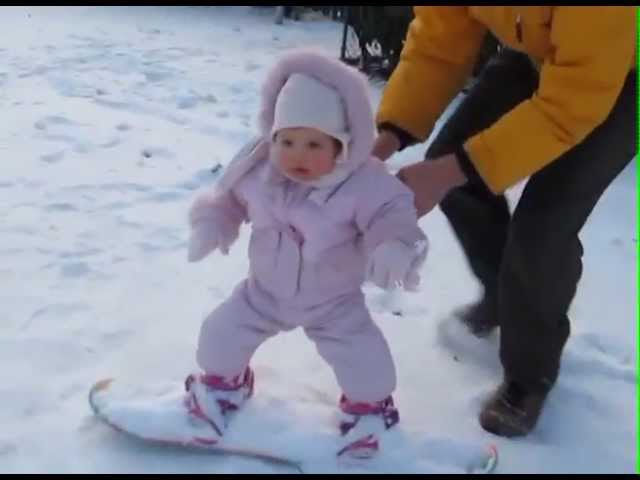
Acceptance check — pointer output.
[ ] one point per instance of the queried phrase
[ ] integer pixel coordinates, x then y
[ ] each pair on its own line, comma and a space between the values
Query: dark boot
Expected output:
513, 410
480, 318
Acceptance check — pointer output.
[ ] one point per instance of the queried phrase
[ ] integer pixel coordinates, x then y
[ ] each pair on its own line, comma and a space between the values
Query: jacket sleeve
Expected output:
593, 50
440, 51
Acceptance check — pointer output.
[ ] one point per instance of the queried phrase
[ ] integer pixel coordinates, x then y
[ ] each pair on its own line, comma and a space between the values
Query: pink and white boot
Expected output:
211, 399
362, 424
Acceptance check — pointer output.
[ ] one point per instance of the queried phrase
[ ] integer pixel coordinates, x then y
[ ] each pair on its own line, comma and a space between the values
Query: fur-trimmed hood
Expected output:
351, 85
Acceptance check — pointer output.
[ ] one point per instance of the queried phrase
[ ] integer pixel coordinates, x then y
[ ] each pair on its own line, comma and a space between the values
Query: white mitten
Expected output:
394, 264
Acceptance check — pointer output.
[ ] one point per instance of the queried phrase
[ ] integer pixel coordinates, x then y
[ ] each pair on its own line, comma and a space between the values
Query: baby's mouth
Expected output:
300, 171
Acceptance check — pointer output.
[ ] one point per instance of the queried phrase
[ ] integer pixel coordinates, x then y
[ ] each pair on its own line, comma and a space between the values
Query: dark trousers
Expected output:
530, 262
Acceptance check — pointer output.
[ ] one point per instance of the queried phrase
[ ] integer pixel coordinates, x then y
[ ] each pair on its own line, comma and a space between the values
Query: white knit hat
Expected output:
306, 102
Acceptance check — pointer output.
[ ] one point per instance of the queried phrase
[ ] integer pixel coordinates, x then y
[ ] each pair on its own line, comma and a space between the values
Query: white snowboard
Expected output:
300, 435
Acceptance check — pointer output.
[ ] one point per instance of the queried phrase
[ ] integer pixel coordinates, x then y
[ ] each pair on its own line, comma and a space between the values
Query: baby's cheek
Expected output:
326, 163
281, 158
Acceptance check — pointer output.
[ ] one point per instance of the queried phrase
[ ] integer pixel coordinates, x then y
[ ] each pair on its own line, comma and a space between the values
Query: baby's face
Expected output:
305, 153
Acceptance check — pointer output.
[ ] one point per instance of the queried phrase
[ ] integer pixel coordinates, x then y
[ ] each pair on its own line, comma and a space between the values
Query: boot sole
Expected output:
502, 425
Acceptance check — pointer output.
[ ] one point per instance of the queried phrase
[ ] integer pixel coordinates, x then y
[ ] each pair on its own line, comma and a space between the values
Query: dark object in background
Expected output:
295, 12
373, 38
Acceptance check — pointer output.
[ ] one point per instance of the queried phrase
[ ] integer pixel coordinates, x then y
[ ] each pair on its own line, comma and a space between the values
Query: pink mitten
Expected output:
394, 264
215, 224
204, 239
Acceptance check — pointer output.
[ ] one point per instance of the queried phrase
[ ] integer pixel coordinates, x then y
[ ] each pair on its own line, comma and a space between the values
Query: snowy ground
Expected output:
112, 118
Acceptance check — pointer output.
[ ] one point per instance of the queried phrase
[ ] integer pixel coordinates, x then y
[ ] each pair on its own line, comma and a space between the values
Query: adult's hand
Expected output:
431, 180
386, 145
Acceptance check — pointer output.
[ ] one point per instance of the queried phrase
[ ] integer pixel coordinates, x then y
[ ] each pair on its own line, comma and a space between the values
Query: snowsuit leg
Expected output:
231, 334
354, 346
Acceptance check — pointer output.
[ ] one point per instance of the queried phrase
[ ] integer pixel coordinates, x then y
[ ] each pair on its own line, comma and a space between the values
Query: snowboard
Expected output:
295, 433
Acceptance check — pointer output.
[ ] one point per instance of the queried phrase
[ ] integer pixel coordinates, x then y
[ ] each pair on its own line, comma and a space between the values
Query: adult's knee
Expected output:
542, 259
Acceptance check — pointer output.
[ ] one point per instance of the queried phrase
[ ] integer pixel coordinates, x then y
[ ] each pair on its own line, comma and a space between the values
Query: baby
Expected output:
326, 216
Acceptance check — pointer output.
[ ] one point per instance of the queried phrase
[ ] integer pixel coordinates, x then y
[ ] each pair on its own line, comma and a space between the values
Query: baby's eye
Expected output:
314, 145
286, 143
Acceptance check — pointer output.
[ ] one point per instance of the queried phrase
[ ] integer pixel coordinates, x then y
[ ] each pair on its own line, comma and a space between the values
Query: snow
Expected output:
112, 118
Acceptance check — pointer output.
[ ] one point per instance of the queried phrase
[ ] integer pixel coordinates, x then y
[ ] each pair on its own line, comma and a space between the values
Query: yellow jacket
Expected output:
584, 54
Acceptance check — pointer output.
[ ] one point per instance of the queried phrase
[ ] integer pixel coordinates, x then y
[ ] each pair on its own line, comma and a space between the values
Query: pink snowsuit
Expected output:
309, 247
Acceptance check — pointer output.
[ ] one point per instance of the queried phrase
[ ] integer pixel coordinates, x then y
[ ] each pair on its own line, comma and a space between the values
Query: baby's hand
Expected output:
214, 225
394, 264
204, 239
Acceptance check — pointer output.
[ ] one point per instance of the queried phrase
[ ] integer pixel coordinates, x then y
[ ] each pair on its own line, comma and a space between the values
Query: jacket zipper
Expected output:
519, 33
299, 241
